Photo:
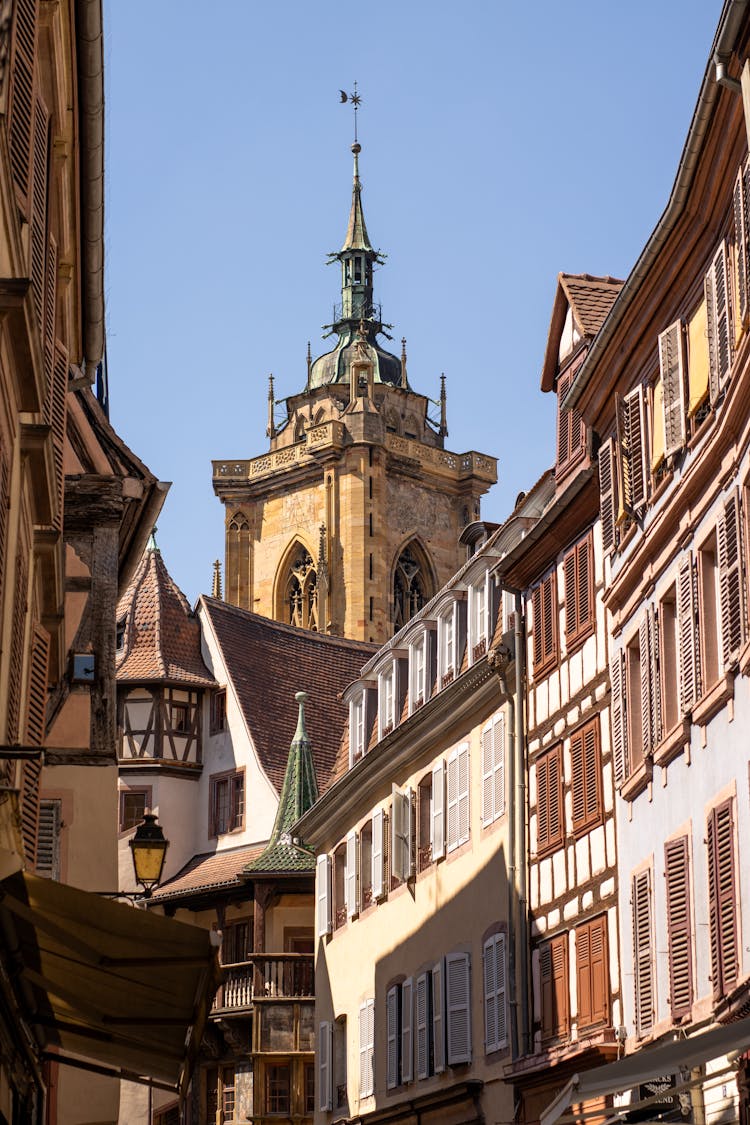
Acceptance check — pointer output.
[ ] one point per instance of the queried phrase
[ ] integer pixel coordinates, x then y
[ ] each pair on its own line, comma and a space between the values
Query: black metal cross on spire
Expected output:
355, 99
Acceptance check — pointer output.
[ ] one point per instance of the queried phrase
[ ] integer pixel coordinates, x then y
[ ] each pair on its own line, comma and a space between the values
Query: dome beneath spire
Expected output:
333, 366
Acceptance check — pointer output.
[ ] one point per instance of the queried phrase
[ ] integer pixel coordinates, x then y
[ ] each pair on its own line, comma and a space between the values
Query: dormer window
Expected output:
447, 643
386, 701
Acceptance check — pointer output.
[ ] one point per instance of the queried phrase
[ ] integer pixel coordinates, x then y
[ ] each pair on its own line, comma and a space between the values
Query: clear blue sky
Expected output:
502, 143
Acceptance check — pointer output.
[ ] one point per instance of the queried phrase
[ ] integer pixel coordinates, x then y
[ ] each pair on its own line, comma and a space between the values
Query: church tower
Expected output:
350, 522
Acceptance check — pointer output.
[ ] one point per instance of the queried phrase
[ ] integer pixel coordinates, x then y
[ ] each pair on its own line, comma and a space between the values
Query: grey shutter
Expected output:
672, 366
490, 996
643, 952
324, 895
377, 854
488, 778
351, 874
325, 1085
631, 443
502, 988
452, 801
607, 495
463, 794
458, 1007
407, 1045
438, 1015
438, 811
422, 1005
392, 1036
498, 743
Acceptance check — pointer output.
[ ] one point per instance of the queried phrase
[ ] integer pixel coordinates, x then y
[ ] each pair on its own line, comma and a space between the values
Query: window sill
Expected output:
580, 830
673, 743
549, 849
712, 701
572, 644
637, 780
544, 669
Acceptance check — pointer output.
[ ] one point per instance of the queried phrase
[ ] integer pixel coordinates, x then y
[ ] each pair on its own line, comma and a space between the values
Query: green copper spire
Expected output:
356, 233
298, 793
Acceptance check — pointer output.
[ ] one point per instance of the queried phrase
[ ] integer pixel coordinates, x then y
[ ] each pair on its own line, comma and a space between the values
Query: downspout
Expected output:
519, 820
512, 899
91, 124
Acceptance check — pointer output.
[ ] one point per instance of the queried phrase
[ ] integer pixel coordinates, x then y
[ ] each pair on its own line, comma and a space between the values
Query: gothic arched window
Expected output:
301, 590
412, 585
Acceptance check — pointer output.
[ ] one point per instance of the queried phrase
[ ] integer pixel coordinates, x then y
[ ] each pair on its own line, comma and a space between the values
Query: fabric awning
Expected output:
642, 1066
107, 981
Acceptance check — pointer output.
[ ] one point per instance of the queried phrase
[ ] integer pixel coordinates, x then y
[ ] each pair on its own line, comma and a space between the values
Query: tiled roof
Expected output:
590, 298
208, 870
162, 636
267, 663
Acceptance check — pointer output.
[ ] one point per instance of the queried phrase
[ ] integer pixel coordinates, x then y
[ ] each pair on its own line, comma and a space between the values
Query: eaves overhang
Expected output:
723, 45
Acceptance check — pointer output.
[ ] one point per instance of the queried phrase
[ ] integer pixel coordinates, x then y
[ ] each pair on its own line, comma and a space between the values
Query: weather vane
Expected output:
355, 99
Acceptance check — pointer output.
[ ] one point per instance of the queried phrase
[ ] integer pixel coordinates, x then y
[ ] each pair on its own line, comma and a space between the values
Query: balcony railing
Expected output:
280, 976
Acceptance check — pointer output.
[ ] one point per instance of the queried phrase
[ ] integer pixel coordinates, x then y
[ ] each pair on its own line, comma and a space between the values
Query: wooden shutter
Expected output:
392, 1036
377, 854
488, 776
452, 795
545, 987
536, 613
607, 511
397, 835
501, 976
50, 301
643, 952
578, 573
672, 367
58, 409
324, 895
422, 1005
619, 724
464, 779
553, 965
437, 826
489, 965
17, 645
570, 429
407, 1046
498, 746
458, 1007
686, 625
36, 703
722, 899
592, 973
39, 194
583, 976
351, 874
657, 725
438, 1019
679, 935
48, 840
365, 1069
325, 1052
730, 580
717, 309
741, 241
585, 754
549, 799
544, 604
632, 450
22, 98
645, 669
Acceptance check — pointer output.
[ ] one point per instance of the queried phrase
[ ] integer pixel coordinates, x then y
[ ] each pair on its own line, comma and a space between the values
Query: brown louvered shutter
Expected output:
571, 601
4, 510
717, 308
578, 780
50, 301
22, 98
58, 416
579, 595
630, 437
657, 722
536, 610
547, 993
672, 368
586, 785
583, 975
619, 725
553, 965
722, 899
607, 495
740, 235
592, 974
643, 953
563, 423
18, 633
676, 870
549, 799
36, 708
646, 700
544, 604
730, 579
686, 625
39, 192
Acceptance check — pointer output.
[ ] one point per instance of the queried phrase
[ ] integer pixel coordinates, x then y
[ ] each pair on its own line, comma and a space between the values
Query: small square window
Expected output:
83, 669
133, 805
219, 711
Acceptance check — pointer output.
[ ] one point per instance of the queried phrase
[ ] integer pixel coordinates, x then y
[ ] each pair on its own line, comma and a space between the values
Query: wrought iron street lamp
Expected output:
149, 848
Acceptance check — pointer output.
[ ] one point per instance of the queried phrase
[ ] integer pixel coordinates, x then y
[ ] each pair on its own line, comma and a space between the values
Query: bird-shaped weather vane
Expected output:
355, 99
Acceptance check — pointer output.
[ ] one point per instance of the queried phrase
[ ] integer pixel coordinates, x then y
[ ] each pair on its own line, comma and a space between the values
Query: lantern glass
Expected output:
149, 847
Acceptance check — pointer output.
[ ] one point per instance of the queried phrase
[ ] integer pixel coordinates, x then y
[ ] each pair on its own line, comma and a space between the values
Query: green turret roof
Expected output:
298, 793
357, 237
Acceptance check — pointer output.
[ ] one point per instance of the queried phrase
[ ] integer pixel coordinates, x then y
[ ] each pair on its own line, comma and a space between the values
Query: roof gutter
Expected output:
723, 45
90, 34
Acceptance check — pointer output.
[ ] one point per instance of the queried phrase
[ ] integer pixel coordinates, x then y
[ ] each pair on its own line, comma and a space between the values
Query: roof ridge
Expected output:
284, 627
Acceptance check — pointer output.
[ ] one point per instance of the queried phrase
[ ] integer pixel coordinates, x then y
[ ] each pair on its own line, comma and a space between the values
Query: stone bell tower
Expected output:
350, 521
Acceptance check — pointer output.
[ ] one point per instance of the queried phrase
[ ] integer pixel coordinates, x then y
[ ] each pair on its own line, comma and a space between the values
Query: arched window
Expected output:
412, 585
301, 590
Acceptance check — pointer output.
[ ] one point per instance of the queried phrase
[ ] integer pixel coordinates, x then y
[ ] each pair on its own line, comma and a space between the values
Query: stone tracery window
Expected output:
301, 596
411, 586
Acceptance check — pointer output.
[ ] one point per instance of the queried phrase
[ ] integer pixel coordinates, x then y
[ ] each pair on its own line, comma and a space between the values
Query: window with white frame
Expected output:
479, 617
495, 1021
357, 709
402, 846
386, 700
458, 797
418, 687
399, 1034
367, 1048
447, 646
493, 769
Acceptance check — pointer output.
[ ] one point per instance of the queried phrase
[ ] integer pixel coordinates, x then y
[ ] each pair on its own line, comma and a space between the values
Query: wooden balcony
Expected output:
279, 976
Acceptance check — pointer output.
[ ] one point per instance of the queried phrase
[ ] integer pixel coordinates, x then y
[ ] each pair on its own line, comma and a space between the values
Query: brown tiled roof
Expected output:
162, 636
590, 298
208, 870
267, 662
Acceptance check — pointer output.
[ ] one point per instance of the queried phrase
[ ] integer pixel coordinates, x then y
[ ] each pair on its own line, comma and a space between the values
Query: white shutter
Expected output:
325, 1085
501, 978
410, 842
438, 1018
437, 828
371, 1045
351, 874
498, 742
452, 793
401, 834
458, 1007
463, 794
324, 895
686, 625
488, 775
490, 996
48, 840
407, 1047
367, 1048
740, 202
377, 854
672, 369
392, 1026
422, 1005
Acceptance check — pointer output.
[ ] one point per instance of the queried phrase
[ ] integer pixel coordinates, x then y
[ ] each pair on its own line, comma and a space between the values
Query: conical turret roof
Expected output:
357, 237
160, 634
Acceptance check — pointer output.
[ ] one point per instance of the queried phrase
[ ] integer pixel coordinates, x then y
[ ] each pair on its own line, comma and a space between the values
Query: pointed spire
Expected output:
357, 237
271, 428
443, 412
309, 362
298, 793
404, 380
216, 588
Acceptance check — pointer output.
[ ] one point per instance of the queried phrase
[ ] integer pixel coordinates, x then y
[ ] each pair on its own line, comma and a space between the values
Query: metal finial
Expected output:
301, 732
151, 545
403, 361
355, 99
216, 589
270, 427
309, 360
443, 413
